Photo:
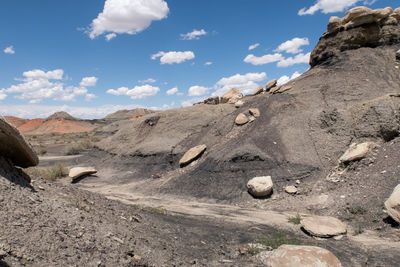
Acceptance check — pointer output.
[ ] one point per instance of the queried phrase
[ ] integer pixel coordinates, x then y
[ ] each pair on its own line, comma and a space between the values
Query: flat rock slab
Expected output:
260, 186
323, 226
192, 154
14, 147
291, 189
271, 84
241, 119
392, 204
302, 256
77, 172
355, 152
258, 90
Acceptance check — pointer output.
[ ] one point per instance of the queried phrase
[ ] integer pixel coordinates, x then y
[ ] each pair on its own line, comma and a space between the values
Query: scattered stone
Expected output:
252, 118
297, 181
255, 112
239, 104
398, 54
241, 119
212, 101
259, 90
78, 172
323, 226
231, 96
14, 147
275, 89
355, 152
301, 256
152, 120
392, 204
260, 186
271, 84
192, 154
291, 189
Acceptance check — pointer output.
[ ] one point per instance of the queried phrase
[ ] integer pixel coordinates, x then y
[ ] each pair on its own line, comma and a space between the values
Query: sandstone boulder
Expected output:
241, 119
334, 23
260, 186
382, 13
255, 112
14, 147
271, 84
392, 204
302, 256
78, 172
231, 96
192, 154
258, 90
291, 189
356, 12
323, 226
239, 104
355, 152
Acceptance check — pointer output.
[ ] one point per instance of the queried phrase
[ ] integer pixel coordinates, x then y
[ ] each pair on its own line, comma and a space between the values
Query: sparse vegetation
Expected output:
295, 219
52, 173
359, 230
78, 147
357, 209
277, 239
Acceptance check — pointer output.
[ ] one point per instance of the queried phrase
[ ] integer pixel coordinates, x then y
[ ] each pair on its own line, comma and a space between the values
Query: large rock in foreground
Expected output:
323, 226
260, 186
192, 154
302, 256
14, 147
392, 205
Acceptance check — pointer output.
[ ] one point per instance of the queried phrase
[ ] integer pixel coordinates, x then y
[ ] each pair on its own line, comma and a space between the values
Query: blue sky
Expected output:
93, 57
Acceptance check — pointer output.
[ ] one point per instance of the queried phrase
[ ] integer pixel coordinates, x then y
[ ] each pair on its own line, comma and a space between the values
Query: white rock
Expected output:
239, 104
323, 226
77, 172
291, 189
260, 186
192, 154
392, 204
355, 152
241, 119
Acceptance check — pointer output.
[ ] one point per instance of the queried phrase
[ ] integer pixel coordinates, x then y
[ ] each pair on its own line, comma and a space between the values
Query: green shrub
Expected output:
295, 219
58, 170
357, 209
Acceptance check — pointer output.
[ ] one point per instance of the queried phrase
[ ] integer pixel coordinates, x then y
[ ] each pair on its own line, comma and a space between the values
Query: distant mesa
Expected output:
128, 114
62, 115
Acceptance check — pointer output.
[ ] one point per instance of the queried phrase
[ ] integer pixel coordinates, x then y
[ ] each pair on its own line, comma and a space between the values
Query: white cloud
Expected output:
173, 57
293, 46
192, 101
89, 81
9, 50
110, 36
284, 79
2, 95
329, 6
254, 46
38, 85
198, 90
252, 59
137, 92
245, 83
127, 16
172, 91
194, 35
298, 59
208, 63
149, 80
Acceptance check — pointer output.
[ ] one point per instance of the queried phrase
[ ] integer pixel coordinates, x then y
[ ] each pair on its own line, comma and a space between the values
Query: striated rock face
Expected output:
360, 27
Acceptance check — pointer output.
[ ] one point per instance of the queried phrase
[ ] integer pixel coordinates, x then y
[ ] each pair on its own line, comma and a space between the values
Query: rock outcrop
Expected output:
14, 147
392, 204
271, 84
258, 90
232, 96
360, 27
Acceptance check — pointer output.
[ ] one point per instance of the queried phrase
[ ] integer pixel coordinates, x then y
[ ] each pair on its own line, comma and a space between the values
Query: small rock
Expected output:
77, 172
259, 90
260, 186
192, 154
398, 54
355, 152
239, 104
255, 112
291, 189
392, 204
252, 118
137, 257
301, 256
271, 84
297, 181
241, 119
323, 226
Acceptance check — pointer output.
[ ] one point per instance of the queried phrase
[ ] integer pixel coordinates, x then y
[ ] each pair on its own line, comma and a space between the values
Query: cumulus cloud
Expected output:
284, 79
38, 85
172, 91
298, 59
330, 6
127, 16
208, 63
137, 92
2, 95
89, 81
254, 46
198, 90
194, 35
9, 50
173, 57
149, 80
269, 58
293, 46
245, 83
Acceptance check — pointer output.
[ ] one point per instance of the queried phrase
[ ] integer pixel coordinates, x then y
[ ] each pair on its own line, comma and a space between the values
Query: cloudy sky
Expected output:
94, 57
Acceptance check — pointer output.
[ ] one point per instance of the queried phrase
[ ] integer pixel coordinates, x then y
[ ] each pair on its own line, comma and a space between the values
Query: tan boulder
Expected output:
77, 172
302, 256
356, 12
255, 112
382, 13
334, 23
241, 119
355, 152
231, 96
14, 147
323, 226
239, 104
396, 14
258, 90
192, 154
271, 84
260, 186
392, 204
291, 189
